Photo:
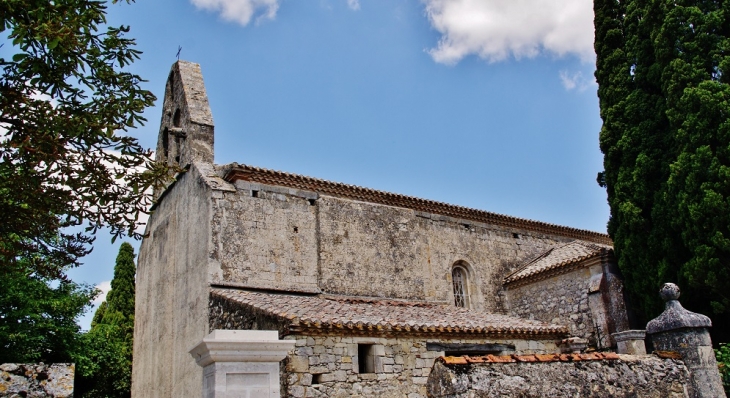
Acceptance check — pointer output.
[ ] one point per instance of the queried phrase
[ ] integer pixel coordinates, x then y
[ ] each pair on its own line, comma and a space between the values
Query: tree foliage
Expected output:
722, 355
108, 345
663, 70
38, 321
66, 104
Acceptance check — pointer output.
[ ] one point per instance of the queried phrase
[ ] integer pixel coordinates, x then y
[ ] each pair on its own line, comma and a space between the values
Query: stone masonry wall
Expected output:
279, 238
329, 366
37, 380
171, 308
632, 376
266, 238
223, 314
561, 299
376, 250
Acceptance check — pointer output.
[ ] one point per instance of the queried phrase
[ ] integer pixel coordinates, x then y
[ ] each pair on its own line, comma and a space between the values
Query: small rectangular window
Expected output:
254, 193
366, 358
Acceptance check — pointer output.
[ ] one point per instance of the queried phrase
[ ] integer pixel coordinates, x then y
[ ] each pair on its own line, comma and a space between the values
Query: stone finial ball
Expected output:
669, 291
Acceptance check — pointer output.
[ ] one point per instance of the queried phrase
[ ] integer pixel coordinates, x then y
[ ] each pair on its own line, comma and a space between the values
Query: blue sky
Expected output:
486, 104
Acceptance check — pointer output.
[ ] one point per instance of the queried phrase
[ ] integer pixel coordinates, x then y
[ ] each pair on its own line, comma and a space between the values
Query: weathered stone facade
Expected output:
381, 263
574, 284
37, 380
631, 376
294, 240
562, 299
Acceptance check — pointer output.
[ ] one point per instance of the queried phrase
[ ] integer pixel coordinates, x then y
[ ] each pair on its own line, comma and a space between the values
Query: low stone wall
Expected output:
644, 376
399, 367
37, 380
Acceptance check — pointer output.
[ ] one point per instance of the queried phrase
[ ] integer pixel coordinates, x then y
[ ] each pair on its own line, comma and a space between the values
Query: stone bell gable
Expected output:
186, 128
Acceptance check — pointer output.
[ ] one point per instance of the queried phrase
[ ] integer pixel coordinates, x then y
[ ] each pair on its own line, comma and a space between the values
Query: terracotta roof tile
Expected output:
557, 257
352, 316
464, 360
278, 178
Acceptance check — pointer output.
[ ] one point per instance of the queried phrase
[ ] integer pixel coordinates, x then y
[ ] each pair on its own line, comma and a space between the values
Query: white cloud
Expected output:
497, 29
353, 4
574, 81
241, 11
105, 287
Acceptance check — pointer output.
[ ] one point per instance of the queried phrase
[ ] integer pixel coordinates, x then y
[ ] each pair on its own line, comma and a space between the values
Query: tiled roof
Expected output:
271, 177
560, 258
341, 315
467, 359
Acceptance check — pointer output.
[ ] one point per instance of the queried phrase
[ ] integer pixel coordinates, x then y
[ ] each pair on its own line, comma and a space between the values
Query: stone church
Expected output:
370, 286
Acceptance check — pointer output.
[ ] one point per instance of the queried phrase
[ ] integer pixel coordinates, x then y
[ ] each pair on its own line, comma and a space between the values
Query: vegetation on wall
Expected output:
663, 70
723, 361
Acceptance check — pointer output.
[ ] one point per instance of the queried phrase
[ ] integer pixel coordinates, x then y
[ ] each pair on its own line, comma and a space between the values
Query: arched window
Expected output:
461, 295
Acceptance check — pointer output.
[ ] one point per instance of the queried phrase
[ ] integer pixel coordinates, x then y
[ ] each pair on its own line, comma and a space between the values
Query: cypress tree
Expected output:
120, 299
109, 342
662, 70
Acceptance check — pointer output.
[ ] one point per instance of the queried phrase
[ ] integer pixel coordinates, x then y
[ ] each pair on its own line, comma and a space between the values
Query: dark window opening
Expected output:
166, 142
312, 202
516, 235
317, 379
254, 193
458, 277
176, 118
366, 358
296, 230
171, 82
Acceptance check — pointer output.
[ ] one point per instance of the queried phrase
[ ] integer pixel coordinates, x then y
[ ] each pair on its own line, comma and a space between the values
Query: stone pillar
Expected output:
631, 342
241, 363
685, 332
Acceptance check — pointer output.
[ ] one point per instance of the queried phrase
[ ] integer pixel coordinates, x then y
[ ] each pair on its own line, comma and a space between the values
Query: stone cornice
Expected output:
255, 174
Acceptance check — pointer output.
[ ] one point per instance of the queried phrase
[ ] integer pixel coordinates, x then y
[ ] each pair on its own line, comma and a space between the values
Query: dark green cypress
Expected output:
666, 141
120, 300
109, 342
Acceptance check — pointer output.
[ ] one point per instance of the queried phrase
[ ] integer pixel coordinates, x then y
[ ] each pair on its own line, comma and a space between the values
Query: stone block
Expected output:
318, 369
378, 364
305, 379
340, 375
296, 391
630, 342
419, 380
